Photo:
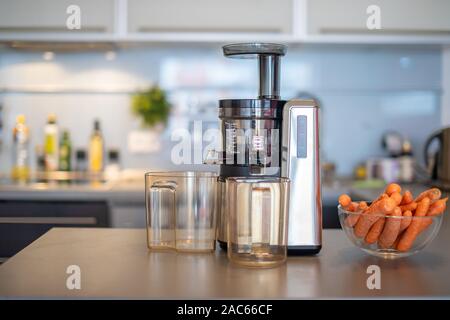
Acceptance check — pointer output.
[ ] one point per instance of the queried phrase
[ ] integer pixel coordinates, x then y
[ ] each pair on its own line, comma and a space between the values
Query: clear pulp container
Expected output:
257, 221
181, 210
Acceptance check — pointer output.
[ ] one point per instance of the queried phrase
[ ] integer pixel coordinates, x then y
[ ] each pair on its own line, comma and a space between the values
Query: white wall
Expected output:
364, 92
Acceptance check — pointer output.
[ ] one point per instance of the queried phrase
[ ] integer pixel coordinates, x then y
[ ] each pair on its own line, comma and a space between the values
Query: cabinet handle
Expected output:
50, 220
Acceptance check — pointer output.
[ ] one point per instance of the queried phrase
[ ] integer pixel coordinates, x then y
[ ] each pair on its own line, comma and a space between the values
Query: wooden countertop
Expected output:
115, 263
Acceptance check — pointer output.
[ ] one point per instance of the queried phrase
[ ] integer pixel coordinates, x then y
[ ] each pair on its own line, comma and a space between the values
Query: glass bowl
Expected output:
429, 227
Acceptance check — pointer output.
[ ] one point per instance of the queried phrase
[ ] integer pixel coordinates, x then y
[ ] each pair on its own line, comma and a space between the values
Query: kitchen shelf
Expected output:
331, 91
219, 38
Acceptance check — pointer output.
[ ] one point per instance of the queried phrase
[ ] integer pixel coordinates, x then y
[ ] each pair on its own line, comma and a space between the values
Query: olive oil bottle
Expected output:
96, 149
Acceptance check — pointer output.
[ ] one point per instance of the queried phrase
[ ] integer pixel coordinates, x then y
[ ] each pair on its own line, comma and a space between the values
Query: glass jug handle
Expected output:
164, 224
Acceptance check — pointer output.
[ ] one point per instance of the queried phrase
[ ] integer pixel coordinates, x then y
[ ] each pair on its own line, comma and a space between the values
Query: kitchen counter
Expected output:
122, 201
116, 263
110, 191
133, 191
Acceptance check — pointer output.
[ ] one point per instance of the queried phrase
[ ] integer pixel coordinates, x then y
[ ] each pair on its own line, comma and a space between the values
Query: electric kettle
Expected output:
439, 165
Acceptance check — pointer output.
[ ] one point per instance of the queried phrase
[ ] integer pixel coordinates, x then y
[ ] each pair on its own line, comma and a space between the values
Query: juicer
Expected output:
270, 137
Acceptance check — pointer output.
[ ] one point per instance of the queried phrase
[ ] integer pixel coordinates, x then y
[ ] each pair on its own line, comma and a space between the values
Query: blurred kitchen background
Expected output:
382, 93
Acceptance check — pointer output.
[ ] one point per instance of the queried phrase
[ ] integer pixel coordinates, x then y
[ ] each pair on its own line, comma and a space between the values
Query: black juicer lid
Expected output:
251, 108
268, 55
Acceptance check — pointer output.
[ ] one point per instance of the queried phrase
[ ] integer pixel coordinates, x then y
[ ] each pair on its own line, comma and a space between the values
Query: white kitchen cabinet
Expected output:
402, 17
218, 16
41, 16
218, 21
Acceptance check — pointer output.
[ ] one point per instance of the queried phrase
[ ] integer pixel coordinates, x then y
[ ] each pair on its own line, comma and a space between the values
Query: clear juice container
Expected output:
257, 221
181, 210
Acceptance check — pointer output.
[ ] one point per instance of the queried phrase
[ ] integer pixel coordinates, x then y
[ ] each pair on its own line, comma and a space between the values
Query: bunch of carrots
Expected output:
375, 224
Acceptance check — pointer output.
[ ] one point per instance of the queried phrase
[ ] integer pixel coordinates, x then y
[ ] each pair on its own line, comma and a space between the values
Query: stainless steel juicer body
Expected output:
269, 137
300, 162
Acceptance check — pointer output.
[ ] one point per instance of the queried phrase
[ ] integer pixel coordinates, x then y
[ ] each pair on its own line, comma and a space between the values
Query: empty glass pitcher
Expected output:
181, 210
257, 221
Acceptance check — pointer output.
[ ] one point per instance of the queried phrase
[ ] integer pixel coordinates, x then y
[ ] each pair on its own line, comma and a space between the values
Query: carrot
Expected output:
353, 206
344, 200
406, 220
414, 228
409, 207
375, 231
397, 197
381, 197
407, 198
438, 207
362, 206
352, 219
394, 245
346, 203
433, 193
435, 209
391, 229
425, 224
371, 215
391, 188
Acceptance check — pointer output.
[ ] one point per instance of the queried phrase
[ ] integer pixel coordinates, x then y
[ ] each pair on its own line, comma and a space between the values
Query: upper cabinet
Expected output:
40, 16
218, 16
398, 17
286, 21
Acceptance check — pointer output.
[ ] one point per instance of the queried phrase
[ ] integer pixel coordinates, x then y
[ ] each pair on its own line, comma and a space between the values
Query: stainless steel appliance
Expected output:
271, 137
300, 162
440, 164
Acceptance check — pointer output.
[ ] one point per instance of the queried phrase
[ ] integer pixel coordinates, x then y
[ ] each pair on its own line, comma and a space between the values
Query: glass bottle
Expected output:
96, 149
65, 152
51, 144
21, 139
112, 169
81, 160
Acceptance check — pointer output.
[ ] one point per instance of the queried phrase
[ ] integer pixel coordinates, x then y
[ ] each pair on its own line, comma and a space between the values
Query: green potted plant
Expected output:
151, 106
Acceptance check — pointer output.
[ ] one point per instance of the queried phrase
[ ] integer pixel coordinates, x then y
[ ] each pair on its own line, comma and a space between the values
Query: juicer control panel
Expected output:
302, 136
